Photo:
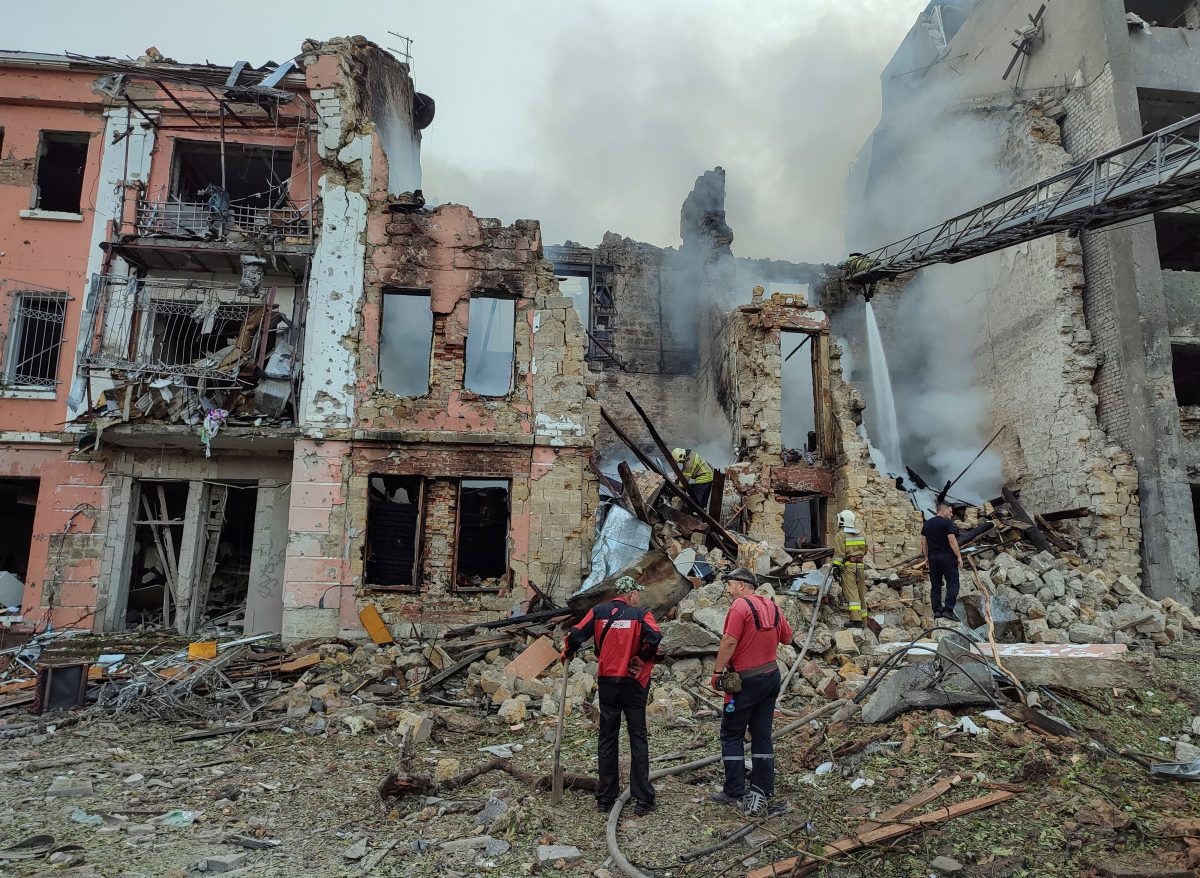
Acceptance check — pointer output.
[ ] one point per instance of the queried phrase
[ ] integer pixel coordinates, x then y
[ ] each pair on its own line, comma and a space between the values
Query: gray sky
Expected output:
590, 115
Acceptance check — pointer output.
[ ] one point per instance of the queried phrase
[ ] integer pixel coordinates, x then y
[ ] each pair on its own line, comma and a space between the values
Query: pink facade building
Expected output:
247, 378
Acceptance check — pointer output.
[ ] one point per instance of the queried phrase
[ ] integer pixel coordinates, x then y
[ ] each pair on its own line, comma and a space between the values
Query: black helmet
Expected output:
741, 574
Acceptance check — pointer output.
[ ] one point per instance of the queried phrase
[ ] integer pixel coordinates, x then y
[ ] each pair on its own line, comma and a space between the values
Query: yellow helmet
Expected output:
679, 454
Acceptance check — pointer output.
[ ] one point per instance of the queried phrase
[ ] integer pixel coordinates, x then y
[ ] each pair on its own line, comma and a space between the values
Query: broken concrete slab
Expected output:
926, 685
70, 786
1077, 666
222, 862
687, 638
549, 854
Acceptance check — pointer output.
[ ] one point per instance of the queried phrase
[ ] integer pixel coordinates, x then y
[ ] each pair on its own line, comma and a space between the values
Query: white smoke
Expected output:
926, 165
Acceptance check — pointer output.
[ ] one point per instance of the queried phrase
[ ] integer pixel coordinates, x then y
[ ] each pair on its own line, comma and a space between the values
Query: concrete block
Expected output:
1072, 666
222, 862
70, 786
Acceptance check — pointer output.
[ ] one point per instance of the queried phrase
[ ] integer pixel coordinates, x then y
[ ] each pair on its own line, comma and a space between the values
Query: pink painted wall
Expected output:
68, 529
39, 252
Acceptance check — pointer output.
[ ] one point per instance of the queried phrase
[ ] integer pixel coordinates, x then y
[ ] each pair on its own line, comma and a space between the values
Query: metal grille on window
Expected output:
37, 328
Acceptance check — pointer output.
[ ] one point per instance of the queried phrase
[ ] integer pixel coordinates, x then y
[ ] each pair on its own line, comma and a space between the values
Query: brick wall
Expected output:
1089, 128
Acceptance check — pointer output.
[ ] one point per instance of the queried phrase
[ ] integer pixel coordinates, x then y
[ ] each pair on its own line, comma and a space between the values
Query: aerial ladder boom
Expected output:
1152, 173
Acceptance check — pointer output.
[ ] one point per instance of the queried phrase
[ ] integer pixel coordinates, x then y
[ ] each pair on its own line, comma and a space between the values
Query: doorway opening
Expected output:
18, 497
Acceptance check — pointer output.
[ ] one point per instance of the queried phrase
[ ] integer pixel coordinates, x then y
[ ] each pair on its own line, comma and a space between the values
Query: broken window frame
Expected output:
787, 344
392, 294
49, 340
45, 138
470, 355
418, 537
820, 509
507, 576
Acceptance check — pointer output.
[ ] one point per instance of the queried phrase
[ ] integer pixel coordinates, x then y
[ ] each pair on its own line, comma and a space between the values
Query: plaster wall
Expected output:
25, 241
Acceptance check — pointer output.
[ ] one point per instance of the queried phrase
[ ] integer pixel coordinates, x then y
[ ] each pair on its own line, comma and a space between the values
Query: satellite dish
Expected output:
422, 111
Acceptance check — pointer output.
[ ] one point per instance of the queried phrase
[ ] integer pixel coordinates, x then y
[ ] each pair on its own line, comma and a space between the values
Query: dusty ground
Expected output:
317, 796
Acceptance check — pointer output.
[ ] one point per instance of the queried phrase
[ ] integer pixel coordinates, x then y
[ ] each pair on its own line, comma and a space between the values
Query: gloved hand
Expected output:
715, 682
635, 666
563, 656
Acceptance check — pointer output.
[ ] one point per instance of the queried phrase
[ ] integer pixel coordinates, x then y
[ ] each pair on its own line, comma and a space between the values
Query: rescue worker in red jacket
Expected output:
626, 640
754, 628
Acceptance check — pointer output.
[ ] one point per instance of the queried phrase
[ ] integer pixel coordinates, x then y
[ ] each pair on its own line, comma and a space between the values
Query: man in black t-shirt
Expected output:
939, 545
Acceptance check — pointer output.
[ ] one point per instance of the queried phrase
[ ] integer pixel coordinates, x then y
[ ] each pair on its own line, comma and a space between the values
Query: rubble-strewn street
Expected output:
301, 794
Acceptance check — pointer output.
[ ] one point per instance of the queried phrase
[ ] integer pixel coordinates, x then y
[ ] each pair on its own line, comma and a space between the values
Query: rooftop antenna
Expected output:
406, 52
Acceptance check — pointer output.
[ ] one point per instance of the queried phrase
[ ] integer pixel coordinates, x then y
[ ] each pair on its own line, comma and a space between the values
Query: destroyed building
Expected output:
247, 379
1085, 343
262, 383
737, 357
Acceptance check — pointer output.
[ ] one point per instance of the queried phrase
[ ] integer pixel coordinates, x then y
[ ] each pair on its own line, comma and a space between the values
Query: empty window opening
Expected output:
1185, 364
62, 158
255, 176
804, 523
185, 585
1178, 237
18, 499
393, 527
481, 552
1166, 13
491, 346
798, 395
405, 342
35, 339
1160, 108
577, 289
1196, 507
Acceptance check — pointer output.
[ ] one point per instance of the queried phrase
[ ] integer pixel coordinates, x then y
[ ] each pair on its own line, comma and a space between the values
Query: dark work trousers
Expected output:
626, 698
700, 493
754, 707
943, 567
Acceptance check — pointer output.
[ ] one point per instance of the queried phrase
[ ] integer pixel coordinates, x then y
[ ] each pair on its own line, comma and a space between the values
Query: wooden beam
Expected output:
632, 492
890, 832
1033, 533
682, 493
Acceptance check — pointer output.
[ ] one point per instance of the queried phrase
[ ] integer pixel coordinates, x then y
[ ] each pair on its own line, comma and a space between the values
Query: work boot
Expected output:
754, 803
723, 798
641, 809
604, 805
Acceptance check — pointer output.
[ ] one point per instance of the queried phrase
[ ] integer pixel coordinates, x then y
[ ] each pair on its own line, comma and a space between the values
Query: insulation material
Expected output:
623, 538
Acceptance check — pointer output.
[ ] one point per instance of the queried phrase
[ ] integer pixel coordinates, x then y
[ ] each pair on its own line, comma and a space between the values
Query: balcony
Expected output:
177, 348
204, 222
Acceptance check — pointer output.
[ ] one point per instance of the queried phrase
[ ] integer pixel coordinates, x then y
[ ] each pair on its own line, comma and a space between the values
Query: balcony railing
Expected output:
179, 327
187, 219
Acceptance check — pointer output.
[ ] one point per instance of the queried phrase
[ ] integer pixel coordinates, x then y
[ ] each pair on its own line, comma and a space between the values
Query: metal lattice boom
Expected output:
1152, 173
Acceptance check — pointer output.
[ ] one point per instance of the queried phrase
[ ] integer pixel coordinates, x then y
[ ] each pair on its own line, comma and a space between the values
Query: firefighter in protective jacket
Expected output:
850, 549
626, 640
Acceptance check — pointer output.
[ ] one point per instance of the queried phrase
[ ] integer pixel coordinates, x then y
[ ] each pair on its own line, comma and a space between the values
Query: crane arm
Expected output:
1152, 173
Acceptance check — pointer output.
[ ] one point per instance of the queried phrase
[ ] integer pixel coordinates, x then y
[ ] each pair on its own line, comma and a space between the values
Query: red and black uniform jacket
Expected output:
620, 634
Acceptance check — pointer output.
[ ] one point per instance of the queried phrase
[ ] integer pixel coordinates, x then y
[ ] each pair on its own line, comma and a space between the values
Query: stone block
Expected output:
417, 727
844, 642
1083, 633
513, 711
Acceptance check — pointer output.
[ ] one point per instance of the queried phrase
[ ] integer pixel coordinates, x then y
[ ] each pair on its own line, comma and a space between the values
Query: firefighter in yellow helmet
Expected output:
850, 549
698, 473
